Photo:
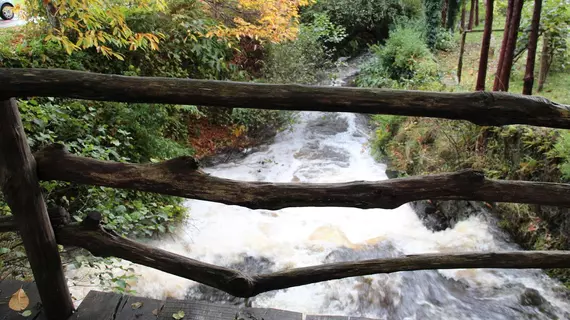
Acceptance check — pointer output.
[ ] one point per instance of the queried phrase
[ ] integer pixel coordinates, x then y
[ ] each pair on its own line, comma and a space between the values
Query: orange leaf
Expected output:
19, 301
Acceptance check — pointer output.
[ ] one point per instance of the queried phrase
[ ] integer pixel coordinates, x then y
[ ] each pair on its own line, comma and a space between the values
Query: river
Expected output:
333, 147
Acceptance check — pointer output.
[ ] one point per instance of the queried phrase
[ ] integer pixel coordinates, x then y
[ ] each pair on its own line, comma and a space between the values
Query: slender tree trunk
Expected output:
544, 62
503, 46
444, 8
476, 13
463, 8
471, 15
511, 45
483, 61
452, 10
460, 62
532, 42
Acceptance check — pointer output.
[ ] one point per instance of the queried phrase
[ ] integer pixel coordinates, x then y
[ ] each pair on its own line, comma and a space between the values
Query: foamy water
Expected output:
333, 148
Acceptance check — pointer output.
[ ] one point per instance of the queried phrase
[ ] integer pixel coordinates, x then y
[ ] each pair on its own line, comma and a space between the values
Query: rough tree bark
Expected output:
511, 45
19, 183
461, 52
497, 82
444, 9
532, 43
476, 13
544, 61
182, 177
489, 109
463, 9
471, 15
486, 42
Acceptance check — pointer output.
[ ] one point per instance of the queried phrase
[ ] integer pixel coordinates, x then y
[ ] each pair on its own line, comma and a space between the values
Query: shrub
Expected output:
261, 123
403, 61
366, 20
304, 59
107, 131
386, 128
562, 151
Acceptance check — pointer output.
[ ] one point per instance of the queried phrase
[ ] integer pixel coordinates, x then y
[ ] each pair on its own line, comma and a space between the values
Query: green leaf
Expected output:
26, 313
4, 250
178, 315
136, 305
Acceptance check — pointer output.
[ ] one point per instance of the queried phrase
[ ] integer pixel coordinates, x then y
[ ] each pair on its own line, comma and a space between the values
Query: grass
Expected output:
556, 87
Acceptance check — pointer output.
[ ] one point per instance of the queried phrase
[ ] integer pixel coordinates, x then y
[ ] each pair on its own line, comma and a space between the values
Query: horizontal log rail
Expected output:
91, 235
182, 177
482, 108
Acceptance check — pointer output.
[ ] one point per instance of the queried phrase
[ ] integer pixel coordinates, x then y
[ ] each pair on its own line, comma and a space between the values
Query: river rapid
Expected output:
333, 147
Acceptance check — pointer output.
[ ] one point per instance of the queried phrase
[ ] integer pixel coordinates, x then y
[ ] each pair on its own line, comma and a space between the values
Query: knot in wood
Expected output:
92, 220
241, 286
470, 176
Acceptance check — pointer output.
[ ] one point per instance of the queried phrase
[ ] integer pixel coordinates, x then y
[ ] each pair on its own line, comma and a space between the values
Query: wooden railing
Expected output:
20, 172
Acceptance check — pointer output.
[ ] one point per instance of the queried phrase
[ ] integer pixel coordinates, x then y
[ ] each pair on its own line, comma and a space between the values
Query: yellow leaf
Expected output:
19, 301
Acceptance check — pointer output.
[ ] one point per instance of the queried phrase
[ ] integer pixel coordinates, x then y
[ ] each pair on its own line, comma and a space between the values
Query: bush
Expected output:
444, 40
366, 20
386, 127
404, 61
562, 151
304, 59
261, 123
107, 131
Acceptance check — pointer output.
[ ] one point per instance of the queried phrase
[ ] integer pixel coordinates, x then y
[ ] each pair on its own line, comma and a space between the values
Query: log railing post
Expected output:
19, 182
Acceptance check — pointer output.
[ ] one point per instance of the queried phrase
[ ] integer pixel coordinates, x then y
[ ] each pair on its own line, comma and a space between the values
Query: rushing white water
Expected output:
333, 148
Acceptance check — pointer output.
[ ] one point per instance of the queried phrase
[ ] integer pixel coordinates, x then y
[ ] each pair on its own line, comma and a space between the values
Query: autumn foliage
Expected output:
101, 24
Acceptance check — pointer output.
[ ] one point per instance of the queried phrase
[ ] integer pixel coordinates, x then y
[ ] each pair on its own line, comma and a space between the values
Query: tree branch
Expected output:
181, 177
483, 108
90, 235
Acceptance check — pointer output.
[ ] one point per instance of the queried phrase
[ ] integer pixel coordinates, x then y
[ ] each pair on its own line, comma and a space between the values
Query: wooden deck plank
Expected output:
268, 314
198, 310
147, 311
314, 317
8, 288
98, 306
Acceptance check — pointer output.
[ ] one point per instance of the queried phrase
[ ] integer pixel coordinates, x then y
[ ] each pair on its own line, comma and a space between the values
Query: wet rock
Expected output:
328, 125
531, 297
393, 174
441, 215
229, 154
329, 153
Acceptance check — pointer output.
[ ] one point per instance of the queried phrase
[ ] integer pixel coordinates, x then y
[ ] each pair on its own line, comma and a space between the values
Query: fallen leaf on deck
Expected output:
19, 301
178, 315
155, 312
136, 305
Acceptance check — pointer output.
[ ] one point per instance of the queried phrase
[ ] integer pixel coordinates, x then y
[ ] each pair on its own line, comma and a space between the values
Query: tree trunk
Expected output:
532, 42
21, 189
476, 13
452, 10
461, 51
463, 8
483, 61
496, 85
444, 8
471, 15
544, 61
511, 45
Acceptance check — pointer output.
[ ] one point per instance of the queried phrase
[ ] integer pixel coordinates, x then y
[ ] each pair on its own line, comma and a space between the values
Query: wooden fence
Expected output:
42, 229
